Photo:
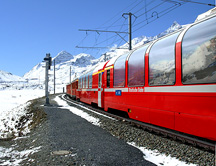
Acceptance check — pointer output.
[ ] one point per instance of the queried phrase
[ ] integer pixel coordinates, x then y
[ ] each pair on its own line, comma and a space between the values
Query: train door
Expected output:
100, 90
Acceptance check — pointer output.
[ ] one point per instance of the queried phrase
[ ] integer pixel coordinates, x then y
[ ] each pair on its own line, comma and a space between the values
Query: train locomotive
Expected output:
169, 82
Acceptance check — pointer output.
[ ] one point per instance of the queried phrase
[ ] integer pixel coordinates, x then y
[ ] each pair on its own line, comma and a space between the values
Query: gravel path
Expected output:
88, 144
93, 145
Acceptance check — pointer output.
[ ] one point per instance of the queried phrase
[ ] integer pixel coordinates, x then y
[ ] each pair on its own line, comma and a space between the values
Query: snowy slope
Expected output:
8, 77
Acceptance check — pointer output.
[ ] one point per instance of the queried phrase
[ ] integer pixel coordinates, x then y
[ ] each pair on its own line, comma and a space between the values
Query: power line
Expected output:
118, 14
201, 3
160, 14
99, 47
100, 31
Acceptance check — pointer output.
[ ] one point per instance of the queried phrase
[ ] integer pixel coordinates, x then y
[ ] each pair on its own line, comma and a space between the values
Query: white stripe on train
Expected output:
190, 88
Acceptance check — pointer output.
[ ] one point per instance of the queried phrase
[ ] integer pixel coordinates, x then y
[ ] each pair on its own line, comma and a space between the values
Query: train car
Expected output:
170, 82
90, 86
74, 86
71, 89
68, 89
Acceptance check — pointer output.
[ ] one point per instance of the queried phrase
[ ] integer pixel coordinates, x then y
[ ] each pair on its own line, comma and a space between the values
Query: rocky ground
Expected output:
55, 130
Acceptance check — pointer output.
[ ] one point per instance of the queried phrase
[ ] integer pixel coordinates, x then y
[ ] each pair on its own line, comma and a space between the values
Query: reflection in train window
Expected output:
80, 83
119, 71
86, 81
83, 81
162, 61
199, 53
90, 79
136, 67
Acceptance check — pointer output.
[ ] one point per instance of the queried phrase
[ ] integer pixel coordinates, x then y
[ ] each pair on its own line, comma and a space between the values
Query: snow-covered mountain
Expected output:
6, 77
63, 62
62, 57
79, 63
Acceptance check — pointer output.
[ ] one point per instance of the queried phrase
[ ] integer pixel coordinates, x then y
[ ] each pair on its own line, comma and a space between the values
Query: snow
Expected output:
206, 14
15, 156
63, 61
12, 98
8, 77
91, 110
9, 119
13, 106
158, 158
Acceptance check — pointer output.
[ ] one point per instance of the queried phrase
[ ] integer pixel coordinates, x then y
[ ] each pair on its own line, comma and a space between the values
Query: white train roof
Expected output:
99, 67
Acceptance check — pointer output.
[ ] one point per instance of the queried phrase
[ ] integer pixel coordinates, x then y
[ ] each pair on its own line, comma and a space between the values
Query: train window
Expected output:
83, 82
99, 80
136, 67
79, 84
162, 61
86, 81
119, 71
108, 78
199, 53
90, 80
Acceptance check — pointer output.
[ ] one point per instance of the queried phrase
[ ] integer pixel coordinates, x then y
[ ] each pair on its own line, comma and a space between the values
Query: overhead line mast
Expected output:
129, 29
117, 32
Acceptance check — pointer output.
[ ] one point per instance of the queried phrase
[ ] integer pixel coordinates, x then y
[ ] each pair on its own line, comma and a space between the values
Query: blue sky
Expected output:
31, 28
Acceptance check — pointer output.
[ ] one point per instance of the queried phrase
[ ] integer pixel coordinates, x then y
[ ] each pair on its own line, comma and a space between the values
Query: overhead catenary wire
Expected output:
159, 15
201, 3
131, 6
146, 12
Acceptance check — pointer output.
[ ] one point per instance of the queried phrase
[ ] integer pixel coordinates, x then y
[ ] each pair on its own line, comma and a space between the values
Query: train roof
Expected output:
206, 14
99, 67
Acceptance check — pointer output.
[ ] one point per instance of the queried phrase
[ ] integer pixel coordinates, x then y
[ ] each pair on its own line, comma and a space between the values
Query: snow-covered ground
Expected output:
15, 156
13, 105
13, 98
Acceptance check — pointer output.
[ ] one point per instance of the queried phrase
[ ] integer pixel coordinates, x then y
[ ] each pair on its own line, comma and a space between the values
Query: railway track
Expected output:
167, 133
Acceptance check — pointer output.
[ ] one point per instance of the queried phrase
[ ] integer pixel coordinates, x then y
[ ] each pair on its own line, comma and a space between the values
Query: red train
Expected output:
170, 82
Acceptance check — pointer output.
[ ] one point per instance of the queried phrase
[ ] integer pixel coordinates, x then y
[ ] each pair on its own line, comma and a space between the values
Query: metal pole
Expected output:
70, 75
54, 76
47, 80
130, 30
